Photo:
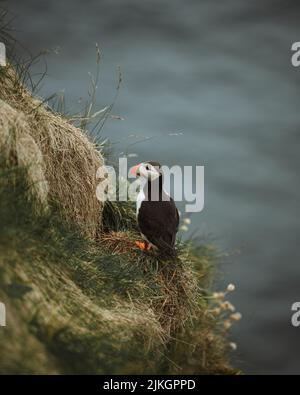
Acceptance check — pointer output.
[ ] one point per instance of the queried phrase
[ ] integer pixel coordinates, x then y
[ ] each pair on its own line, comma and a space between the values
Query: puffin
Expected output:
156, 212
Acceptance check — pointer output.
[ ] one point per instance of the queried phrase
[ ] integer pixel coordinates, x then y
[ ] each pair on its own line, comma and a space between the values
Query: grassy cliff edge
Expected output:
79, 297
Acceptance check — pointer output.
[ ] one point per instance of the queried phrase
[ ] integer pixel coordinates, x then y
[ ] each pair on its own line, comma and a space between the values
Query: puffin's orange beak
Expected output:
134, 169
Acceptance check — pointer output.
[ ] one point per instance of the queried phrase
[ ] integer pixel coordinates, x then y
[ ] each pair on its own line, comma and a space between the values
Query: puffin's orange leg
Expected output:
143, 245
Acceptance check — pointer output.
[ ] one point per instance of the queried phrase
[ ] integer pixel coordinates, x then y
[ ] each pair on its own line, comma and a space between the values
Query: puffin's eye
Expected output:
147, 167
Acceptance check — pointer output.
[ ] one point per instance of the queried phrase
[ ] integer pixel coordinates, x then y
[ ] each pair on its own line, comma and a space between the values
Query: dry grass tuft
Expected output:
119, 243
174, 279
61, 161
18, 147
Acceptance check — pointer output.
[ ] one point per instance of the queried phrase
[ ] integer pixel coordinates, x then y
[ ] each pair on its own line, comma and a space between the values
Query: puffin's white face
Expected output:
146, 171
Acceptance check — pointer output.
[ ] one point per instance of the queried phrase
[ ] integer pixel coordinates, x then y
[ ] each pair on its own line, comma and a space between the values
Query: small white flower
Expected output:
233, 346
230, 287
216, 311
227, 306
184, 228
236, 316
227, 324
218, 295
187, 221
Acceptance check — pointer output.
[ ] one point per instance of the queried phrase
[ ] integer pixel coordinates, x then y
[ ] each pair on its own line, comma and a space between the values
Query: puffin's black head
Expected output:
155, 164
149, 170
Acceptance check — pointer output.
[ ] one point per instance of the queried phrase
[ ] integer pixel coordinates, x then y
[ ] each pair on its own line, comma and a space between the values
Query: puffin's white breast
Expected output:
140, 198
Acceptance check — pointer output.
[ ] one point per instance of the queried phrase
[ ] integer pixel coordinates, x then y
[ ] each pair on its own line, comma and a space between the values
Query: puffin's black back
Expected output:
158, 217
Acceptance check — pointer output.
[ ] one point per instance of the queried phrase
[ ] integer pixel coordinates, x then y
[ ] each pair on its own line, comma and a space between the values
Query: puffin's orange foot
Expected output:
143, 245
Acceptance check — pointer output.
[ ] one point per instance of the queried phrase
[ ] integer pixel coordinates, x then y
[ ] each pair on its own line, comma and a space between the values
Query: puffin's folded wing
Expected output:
158, 222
